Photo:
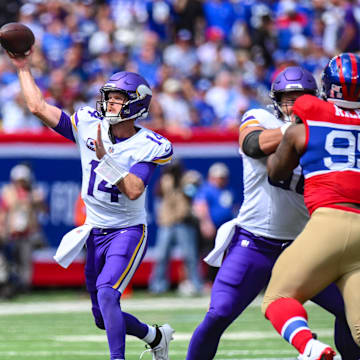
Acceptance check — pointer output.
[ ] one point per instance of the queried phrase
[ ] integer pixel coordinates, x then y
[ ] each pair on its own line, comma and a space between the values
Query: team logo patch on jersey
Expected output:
90, 144
111, 149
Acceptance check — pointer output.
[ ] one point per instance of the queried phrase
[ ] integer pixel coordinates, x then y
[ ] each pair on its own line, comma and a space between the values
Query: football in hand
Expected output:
16, 38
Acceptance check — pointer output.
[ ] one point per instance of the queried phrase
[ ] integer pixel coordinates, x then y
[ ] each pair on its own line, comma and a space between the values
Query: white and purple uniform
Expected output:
107, 209
263, 209
118, 240
106, 206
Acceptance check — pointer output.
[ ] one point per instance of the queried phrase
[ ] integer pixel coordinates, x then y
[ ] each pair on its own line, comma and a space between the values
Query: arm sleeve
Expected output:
64, 127
251, 145
143, 170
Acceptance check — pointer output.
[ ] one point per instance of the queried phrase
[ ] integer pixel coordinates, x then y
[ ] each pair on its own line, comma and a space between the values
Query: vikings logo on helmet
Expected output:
341, 81
138, 94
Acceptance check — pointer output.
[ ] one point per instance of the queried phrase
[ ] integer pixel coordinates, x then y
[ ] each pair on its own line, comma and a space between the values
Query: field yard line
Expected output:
105, 353
9, 308
182, 336
128, 304
20, 354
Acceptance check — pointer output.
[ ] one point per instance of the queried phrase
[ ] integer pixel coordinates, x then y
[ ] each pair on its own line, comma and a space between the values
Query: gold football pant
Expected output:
326, 251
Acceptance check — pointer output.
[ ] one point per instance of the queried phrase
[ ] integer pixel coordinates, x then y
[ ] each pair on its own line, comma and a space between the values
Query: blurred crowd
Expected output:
208, 61
22, 203
189, 209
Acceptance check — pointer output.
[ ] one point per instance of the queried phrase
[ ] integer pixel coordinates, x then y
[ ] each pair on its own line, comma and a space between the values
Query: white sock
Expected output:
150, 336
308, 346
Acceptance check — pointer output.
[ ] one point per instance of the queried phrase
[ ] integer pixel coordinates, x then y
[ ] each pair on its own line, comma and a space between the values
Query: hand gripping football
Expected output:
16, 38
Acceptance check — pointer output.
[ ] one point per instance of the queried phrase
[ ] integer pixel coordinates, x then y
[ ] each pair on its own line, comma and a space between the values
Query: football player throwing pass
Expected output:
118, 159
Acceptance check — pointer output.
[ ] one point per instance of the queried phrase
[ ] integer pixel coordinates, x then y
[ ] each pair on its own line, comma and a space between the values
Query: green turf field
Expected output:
59, 326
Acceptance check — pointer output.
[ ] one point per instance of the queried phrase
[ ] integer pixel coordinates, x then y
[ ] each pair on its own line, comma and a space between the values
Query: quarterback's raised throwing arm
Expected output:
48, 114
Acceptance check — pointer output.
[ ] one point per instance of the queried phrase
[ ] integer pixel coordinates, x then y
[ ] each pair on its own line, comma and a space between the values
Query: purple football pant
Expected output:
113, 255
245, 271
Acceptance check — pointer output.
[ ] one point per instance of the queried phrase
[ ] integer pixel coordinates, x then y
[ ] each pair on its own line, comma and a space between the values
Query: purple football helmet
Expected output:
291, 79
137, 91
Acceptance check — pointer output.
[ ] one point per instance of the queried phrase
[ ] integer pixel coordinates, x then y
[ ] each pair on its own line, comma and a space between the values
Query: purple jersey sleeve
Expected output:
64, 127
143, 170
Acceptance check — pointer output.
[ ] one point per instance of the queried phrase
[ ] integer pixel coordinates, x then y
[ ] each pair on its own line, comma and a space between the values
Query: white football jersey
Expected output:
273, 210
106, 206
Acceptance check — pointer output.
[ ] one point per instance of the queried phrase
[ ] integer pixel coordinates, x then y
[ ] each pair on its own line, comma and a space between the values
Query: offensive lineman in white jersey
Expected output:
118, 159
271, 216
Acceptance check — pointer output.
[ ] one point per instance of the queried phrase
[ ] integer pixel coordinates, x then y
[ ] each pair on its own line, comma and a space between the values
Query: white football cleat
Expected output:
161, 351
316, 350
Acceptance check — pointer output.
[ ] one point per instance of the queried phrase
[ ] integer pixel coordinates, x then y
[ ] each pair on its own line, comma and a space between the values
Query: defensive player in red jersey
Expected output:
326, 143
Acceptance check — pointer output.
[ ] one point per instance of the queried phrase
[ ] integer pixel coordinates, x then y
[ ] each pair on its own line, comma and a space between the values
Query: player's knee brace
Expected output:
99, 321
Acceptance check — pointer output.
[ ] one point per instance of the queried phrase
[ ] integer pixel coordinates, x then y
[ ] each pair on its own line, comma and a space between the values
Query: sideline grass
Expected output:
73, 336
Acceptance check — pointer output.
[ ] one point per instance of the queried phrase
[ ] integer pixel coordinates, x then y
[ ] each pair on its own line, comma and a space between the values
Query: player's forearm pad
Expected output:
110, 171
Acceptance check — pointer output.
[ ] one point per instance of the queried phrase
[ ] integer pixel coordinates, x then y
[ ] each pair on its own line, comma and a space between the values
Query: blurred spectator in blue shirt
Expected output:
221, 14
160, 17
214, 202
202, 114
147, 59
213, 206
7, 73
55, 42
290, 21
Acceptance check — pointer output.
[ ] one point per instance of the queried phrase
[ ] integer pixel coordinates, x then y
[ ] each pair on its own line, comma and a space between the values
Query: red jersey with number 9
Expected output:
331, 162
